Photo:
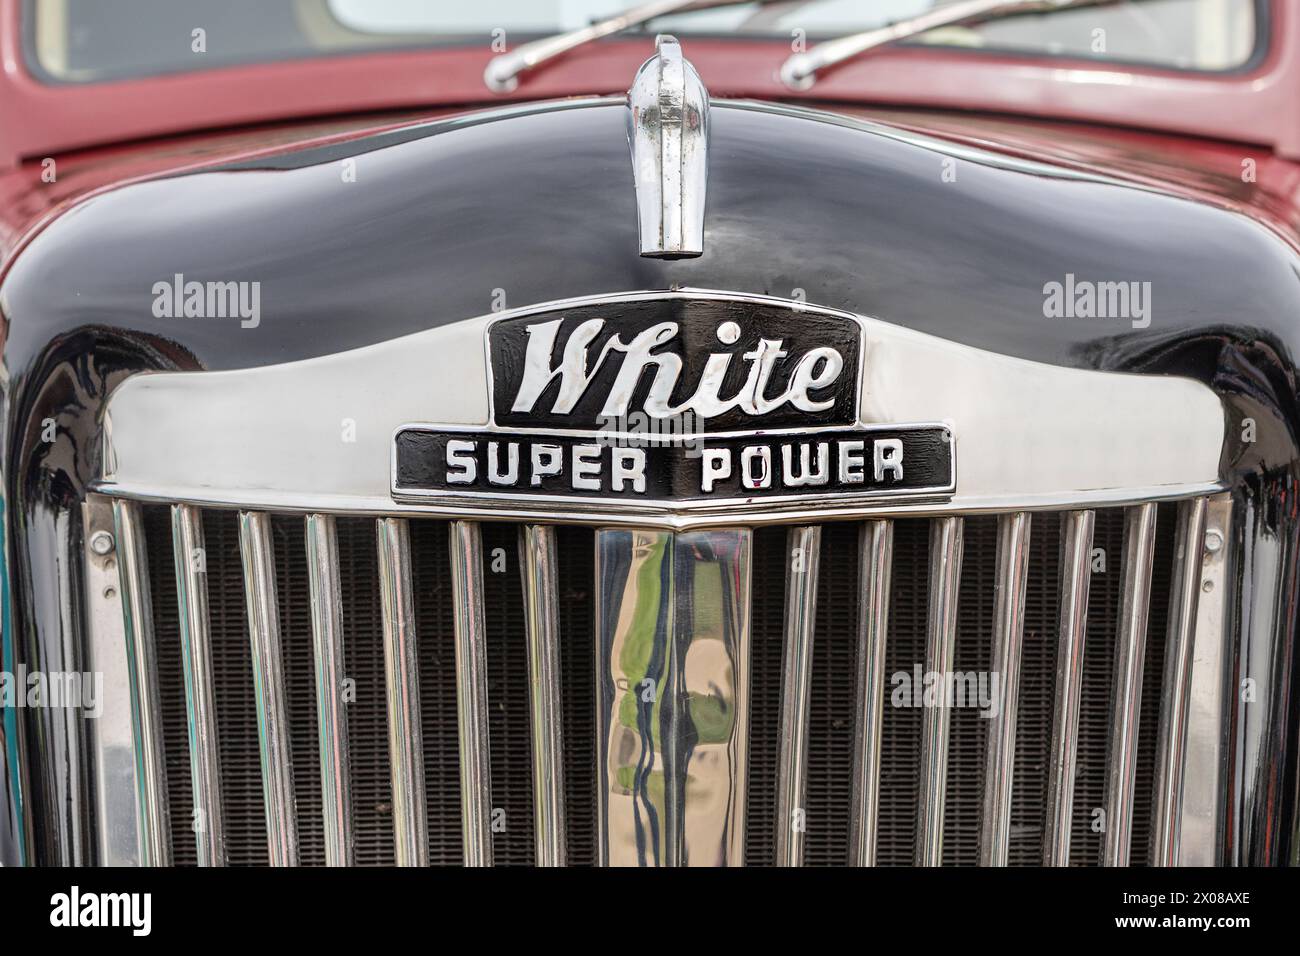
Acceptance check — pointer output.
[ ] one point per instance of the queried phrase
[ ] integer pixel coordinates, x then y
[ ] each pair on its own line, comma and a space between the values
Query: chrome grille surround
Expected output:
1010, 466
704, 823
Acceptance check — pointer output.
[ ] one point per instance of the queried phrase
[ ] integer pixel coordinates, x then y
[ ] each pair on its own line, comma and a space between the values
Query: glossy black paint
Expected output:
458, 217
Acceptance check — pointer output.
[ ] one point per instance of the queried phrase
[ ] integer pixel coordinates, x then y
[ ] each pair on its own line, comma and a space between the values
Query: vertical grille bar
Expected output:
1008, 640
268, 688
877, 548
196, 658
1172, 743
154, 824
331, 710
1130, 651
941, 634
1075, 576
471, 692
541, 594
803, 561
401, 673
541, 597
634, 571
672, 696
709, 678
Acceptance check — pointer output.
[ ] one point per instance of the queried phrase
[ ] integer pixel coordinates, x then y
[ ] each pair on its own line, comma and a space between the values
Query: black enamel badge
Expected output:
674, 401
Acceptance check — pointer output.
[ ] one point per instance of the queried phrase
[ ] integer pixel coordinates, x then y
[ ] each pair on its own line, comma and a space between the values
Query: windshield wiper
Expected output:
502, 73
799, 72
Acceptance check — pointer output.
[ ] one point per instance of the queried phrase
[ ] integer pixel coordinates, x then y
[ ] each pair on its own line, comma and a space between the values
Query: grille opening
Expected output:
968, 729
1105, 598
232, 673
363, 661
900, 758
767, 619
293, 604
1037, 691
1153, 682
510, 735
171, 682
831, 719
575, 553
832, 712
434, 625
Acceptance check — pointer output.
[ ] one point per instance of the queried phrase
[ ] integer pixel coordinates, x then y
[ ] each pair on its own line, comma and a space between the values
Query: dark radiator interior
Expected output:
832, 717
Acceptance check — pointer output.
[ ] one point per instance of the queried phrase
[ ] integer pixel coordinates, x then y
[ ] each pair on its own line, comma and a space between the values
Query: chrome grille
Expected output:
942, 789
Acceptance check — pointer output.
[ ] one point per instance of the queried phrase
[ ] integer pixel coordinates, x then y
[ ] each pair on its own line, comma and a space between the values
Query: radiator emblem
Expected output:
678, 402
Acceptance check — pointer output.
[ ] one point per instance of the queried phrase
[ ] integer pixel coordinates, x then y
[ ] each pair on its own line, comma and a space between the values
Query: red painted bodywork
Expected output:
1183, 132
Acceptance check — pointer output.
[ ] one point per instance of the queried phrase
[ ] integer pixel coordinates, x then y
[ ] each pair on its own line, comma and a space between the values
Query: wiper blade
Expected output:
799, 72
502, 73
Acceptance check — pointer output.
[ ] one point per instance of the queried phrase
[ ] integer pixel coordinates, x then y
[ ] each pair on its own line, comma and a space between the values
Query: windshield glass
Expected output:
93, 40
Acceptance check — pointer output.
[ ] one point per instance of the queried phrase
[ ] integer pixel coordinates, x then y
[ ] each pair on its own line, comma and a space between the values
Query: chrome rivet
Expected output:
1213, 541
101, 542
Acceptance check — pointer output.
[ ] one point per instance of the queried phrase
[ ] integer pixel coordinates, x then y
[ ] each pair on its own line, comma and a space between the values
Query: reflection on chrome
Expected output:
803, 562
946, 535
877, 547
1174, 705
200, 706
1075, 575
672, 696
268, 688
402, 684
1008, 639
471, 692
1130, 654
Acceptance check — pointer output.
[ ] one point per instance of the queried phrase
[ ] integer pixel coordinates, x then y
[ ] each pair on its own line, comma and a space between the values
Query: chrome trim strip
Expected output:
402, 680
116, 758
876, 547
668, 129
1205, 814
941, 636
672, 689
153, 825
667, 520
258, 553
541, 601
233, 429
201, 713
1076, 575
1185, 590
471, 692
321, 537
1130, 651
803, 556
1008, 641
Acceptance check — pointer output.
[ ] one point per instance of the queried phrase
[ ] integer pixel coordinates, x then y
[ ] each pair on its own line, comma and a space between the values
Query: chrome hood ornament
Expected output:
668, 128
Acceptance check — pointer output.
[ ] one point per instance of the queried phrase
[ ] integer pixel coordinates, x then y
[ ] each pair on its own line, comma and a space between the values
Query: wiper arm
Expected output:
502, 73
799, 72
